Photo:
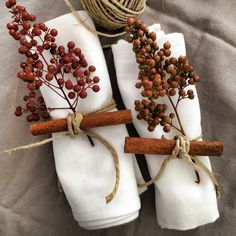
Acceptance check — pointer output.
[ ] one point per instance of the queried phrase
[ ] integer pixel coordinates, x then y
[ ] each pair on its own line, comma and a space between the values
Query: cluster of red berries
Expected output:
65, 71
35, 105
159, 75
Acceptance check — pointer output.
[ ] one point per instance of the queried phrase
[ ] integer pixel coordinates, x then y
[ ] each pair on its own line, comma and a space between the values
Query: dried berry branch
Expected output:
159, 75
37, 41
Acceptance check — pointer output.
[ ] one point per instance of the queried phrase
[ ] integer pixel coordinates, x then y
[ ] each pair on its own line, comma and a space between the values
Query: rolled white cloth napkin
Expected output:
181, 203
87, 173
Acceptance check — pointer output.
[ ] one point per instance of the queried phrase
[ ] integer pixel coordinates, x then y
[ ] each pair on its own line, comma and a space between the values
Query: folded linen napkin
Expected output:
181, 203
87, 173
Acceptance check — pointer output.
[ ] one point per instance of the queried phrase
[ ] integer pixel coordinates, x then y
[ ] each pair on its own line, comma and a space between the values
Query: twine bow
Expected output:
181, 151
73, 123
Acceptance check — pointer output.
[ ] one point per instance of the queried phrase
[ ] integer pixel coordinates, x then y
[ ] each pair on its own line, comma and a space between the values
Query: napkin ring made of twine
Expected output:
73, 122
181, 151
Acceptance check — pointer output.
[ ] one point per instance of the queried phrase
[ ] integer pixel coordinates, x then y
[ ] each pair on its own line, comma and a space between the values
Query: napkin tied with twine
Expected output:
73, 122
181, 151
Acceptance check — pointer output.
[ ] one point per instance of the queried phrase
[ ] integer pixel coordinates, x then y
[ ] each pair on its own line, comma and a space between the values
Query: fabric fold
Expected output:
181, 203
86, 173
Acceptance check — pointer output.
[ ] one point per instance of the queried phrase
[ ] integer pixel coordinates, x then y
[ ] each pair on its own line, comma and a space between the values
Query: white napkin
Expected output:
87, 174
181, 203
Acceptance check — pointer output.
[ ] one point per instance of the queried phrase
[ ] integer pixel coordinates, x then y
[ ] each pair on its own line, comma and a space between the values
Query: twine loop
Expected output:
181, 151
73, 122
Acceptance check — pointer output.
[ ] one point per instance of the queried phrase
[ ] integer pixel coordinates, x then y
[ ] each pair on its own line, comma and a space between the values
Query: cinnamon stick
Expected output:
165, 147
89, 121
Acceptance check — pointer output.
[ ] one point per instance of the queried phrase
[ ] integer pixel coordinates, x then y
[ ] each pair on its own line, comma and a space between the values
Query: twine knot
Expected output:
181, 151
73, 122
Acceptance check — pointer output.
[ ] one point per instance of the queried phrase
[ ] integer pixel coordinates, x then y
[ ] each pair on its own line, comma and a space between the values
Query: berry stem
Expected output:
75, 102
57, 108
179, 99
90, 140
177, 115
175, 127
53, 90
48, 83
65, 97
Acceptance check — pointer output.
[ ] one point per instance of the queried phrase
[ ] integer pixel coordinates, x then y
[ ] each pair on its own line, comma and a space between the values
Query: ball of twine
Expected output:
113, 14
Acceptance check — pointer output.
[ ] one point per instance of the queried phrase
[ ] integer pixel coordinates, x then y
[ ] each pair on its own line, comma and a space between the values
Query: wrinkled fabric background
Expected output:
29, 201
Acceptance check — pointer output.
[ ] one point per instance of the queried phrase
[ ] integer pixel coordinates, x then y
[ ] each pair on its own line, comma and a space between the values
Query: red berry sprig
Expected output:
66, 72
159, 75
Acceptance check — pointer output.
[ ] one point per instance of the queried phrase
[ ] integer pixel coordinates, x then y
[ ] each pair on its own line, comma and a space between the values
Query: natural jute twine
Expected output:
73, 123
111, 14
181, 151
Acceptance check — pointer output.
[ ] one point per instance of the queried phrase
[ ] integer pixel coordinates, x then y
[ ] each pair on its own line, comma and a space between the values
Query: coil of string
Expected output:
113, 14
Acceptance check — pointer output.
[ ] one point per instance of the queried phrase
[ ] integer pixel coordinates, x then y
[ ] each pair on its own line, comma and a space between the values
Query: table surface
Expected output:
29, 201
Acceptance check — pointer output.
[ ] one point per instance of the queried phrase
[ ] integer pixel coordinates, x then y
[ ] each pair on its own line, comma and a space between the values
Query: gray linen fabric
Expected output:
30, 204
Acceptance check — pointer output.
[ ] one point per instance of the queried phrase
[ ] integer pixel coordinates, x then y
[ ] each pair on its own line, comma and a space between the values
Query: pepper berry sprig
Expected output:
66, 72
160, 75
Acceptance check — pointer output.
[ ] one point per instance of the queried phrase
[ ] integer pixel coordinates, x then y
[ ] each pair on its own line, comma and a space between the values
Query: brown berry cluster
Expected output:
159, 75
154, 114
65, 71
